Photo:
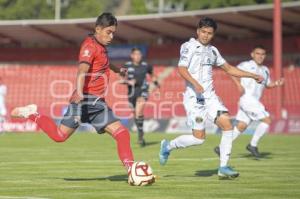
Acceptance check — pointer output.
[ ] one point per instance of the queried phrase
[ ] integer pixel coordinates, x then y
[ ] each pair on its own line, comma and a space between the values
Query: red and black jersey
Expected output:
95, 54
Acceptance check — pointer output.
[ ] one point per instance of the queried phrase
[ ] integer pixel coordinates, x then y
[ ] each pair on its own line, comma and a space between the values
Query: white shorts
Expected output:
3, 111
251, 110
199, 113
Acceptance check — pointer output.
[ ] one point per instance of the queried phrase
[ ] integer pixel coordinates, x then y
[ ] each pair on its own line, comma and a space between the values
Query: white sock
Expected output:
184, 141
261, 129
235, 133
225, 147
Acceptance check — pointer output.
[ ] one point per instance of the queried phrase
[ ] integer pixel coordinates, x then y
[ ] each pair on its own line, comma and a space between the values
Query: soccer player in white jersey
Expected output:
250, 107
3, 92
201, 103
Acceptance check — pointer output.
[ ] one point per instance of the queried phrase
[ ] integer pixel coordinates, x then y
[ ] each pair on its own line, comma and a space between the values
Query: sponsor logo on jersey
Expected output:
86, 53
199, 119
185, 51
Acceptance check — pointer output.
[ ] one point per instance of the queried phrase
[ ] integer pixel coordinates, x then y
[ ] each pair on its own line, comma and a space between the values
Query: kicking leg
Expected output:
58, 134
122, 137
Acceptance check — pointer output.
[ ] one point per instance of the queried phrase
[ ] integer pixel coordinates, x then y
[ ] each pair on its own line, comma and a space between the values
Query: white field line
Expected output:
116, 161
106, 161
22, 197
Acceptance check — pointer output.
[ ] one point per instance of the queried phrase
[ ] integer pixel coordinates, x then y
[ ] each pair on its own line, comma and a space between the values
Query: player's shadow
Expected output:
206, 173
110, 178
263, 155
151, 143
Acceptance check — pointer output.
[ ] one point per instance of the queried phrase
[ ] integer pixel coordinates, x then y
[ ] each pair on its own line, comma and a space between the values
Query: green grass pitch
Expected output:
87, 167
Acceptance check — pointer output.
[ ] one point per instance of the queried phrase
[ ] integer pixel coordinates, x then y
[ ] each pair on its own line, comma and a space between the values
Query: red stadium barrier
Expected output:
37, 55
51, 86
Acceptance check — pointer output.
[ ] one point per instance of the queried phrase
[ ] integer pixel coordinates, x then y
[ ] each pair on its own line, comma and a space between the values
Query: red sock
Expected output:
122, 137
49, 127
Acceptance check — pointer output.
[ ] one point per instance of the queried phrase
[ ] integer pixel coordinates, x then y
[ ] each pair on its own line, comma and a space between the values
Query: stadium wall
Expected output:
51, 86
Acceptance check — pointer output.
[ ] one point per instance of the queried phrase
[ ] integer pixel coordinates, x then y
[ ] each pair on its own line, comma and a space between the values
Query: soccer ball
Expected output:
140, 174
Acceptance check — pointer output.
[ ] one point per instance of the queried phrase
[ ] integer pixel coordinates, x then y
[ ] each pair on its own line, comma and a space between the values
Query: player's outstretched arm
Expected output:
184, 73
277, 83
114, 68
121, 70
234, 71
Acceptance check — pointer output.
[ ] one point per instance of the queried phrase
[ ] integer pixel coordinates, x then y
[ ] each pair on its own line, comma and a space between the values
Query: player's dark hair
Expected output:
207, 22
259, 46
135, 49
106, 19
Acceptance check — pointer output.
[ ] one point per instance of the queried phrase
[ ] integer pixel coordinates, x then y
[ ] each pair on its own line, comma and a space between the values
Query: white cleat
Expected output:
24, 111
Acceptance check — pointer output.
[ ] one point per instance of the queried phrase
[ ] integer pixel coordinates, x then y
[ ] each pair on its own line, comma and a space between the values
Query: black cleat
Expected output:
217, 150
253, 150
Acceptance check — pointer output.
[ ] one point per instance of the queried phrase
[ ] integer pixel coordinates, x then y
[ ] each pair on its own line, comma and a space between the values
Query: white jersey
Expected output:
254, 90
199, 60
3, 91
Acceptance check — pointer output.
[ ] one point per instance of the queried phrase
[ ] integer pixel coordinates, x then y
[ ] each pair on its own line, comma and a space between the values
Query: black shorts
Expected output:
135, 93
91, 110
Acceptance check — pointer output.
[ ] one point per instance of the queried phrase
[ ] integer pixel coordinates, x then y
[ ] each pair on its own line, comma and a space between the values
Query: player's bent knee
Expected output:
199, 135
224, 123
62, 137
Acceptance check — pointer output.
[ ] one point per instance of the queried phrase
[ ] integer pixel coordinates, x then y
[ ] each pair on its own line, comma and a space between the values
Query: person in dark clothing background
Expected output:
136, 80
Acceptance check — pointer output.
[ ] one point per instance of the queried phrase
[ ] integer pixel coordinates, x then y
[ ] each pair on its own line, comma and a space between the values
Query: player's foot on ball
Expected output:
217, 150
24, 111
227, 173
253, 150
142, 142
164, 152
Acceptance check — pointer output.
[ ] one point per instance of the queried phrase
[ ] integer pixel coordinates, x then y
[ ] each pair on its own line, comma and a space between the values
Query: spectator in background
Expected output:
3, 92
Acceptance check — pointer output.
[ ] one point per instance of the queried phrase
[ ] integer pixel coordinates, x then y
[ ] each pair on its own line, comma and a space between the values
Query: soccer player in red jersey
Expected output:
87, 104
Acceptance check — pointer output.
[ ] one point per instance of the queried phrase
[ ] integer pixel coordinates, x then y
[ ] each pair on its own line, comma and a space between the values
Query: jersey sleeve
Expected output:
242, 66
87, 53
126, 65
244, 81
268, 77
185, 55
219, 61
3, 90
